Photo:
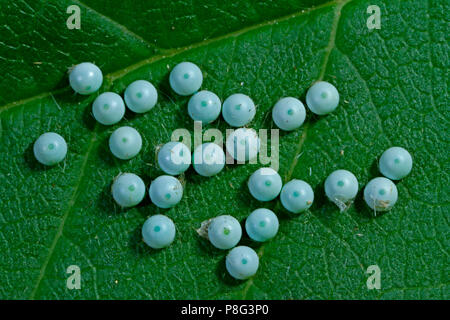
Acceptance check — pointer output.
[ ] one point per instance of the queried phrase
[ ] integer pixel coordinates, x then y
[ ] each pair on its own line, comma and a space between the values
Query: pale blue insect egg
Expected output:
128, 190
108, 108
238, 110
380, 194
204, 106
141, 96
50, 148
341, 187
224, 232
242, 262
208, 159
85, 78
243, 144
125, 143
322, 98
297, 196
158, 231
261, 225
186, 78
395, 163
289, 113
166, 191
174, 158
265, 184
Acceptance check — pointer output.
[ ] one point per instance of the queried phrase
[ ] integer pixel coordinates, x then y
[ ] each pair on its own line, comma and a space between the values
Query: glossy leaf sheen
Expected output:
393, 88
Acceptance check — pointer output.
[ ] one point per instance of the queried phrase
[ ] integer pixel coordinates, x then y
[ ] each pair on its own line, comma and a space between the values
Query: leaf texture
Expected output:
393, 84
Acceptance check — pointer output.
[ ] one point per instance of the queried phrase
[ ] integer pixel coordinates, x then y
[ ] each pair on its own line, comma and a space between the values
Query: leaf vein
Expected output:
71, 203
167, 53
331, 45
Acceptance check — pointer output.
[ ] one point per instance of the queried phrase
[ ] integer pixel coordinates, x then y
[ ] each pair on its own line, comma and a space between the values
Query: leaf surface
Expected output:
393, 84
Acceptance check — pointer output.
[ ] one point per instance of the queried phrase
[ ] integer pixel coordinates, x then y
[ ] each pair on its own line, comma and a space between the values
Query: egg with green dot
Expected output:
50, 148
238, 110
380, 194
341, 187
243, 144
204, 106
297, 196
224, 232
186, 78
166, 191
108, 108
128, 190
288, 113
85, 78
208, 159
174, 158
265, 184
140, 96
242, 262
158, 231
322, 98
395, 163
261, 225
125, 143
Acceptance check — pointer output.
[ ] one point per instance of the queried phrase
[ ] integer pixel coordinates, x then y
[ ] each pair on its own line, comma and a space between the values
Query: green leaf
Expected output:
393, 85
